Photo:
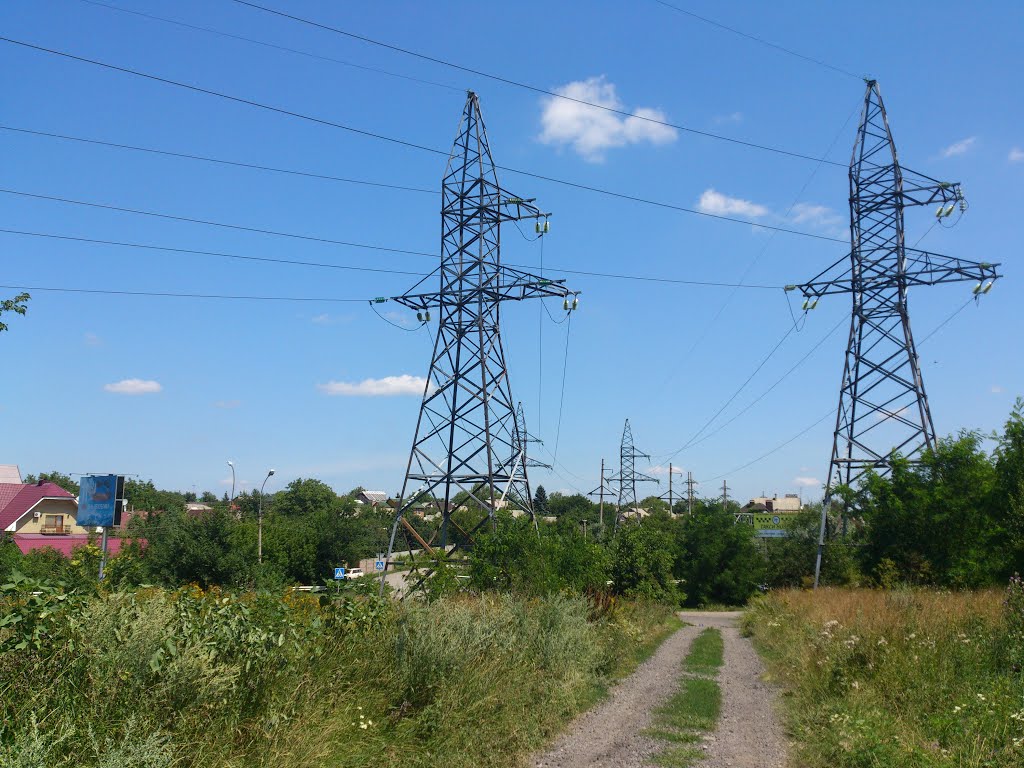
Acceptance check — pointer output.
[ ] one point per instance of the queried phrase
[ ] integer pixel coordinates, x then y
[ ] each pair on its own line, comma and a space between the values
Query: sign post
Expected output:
98, 507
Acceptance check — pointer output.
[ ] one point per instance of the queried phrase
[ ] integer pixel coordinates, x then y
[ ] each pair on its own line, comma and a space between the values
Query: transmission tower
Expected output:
628, 477
670, 496
883, 409
467, 434
523, 439
601, 491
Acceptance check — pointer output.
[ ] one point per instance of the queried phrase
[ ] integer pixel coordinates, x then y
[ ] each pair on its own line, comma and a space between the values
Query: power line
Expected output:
413, 145
589, 273
217, 160
526, 86
760, 40
222, 254
274, 46
208, 223
832, 411
561, 399
172, 295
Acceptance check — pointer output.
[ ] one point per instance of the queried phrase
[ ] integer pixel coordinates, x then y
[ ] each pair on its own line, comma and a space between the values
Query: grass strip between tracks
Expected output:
695, 707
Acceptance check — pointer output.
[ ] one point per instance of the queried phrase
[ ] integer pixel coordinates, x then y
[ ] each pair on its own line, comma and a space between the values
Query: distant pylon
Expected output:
628, 477
883, 409
467, 436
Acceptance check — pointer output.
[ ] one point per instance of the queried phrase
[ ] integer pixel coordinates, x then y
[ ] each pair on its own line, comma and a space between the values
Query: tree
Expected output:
55, 477
540, 501
1008, 507
304, 496
721, 563
642, 563
18, 305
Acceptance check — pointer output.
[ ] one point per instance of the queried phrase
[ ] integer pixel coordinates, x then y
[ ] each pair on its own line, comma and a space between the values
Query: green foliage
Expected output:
720, 561
1013, 608
18, 305
932, 520
642, 558
789, 561
190, 678
540, 502
706, 653
518, 558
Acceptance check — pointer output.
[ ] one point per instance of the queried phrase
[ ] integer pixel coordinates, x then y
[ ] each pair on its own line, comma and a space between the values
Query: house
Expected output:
197, 509
373, 498
39, 515
10, 474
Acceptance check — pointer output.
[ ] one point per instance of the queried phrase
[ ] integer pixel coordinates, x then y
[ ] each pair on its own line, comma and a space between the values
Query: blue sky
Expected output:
171, 388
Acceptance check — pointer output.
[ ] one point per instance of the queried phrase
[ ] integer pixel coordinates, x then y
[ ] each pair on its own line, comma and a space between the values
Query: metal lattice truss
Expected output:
520, 449
628, 477
883, 409
467, 434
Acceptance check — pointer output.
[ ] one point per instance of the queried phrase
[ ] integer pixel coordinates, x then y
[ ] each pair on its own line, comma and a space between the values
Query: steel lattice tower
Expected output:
520, 447
628, 477
883, 409
467, 436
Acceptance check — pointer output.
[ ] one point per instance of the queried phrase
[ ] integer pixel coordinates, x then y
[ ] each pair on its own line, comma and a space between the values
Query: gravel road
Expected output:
610, 735
749, 734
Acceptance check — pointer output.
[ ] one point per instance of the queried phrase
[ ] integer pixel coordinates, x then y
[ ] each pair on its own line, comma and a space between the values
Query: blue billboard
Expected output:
97, 501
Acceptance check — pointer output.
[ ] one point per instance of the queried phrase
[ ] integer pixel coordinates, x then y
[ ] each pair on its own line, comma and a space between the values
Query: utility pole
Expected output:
883, 409
600, 492
725, 497
466, 435
628, 477
689, 493
670, 495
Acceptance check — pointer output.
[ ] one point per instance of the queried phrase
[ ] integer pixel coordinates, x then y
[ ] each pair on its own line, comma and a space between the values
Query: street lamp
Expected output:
232, 465
259, 514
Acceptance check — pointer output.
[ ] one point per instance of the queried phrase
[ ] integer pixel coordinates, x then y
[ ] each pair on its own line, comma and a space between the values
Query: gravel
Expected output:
749, 734
611, 735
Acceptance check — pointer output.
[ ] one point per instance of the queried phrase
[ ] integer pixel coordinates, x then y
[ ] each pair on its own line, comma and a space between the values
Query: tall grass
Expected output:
902, 678
156, 678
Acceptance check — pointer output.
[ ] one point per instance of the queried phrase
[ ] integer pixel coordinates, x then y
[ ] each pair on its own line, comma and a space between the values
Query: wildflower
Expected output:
980, 697
882, 641
364, 726
855, 685
957, 708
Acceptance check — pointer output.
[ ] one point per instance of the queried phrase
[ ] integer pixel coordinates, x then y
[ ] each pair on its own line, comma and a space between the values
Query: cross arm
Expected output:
919, 189
921, 268
511, 285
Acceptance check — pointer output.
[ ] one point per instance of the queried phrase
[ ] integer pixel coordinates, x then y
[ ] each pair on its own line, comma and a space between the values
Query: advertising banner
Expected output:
97, 501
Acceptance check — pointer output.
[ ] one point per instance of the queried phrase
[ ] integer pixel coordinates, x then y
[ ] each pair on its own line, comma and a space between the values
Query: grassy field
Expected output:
898, 678
155, 678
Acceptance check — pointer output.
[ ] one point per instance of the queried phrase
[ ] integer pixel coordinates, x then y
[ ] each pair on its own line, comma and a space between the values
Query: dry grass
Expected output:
900, 678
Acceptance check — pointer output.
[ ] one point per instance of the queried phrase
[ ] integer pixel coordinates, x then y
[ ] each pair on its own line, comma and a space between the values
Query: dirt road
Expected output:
611, 734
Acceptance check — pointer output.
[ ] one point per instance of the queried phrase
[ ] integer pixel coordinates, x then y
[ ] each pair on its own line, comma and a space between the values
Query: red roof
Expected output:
64, 544
16, 500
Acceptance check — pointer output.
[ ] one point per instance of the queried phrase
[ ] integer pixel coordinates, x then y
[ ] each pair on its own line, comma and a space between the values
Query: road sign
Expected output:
339, 573
378, 565
771, 525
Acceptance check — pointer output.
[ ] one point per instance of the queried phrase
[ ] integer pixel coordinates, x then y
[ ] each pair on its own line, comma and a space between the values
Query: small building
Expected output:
38, 508
373, 498
197, 509
10, 474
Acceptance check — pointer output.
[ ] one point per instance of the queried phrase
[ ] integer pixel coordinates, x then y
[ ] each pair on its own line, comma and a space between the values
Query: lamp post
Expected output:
232, 465
259, 514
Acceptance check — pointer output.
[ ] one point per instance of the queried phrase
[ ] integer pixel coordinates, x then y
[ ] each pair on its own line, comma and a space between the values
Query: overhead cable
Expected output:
413, 145
527, 86
275, 46
760, 40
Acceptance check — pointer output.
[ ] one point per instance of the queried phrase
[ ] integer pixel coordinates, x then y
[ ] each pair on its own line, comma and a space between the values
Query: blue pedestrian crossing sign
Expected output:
339, 573
378, 565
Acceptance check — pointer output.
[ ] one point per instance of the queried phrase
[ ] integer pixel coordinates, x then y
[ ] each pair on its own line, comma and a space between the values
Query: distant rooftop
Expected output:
9, 473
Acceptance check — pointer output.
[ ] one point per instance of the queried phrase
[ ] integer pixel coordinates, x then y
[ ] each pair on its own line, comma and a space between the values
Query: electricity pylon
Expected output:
883, 409
670, 497
601, 491
467, 438
523, 439
628, 477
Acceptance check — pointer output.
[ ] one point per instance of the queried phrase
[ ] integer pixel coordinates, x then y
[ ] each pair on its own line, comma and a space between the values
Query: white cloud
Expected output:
591, 130
807, 482
735, 117
385, 387
997, 390
816, 216
722, 205
660, 470
959, 147
1016, 155
134, 387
